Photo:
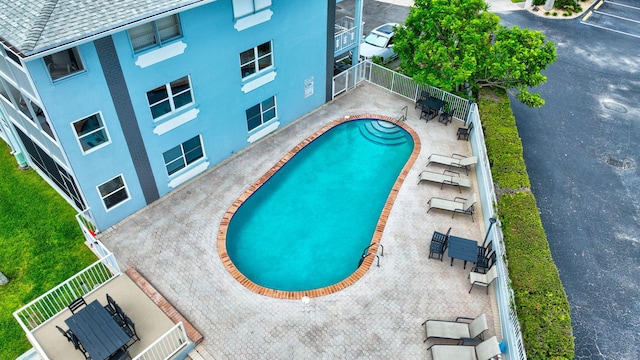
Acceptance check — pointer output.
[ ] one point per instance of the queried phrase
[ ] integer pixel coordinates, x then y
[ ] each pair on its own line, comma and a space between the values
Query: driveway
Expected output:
582, 154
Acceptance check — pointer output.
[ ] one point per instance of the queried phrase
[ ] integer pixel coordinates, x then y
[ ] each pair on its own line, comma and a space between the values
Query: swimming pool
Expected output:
301, 229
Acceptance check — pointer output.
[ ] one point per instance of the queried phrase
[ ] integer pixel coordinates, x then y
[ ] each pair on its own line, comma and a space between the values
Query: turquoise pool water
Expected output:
307, 226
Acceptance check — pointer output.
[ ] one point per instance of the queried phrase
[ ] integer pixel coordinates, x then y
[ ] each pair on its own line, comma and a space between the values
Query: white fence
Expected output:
398, 84
511, 334
468, 112
48, 305
168, 345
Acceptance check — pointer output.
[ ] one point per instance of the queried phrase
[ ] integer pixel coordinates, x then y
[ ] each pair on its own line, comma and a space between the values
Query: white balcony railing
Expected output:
345, 34
168, 345
51, 303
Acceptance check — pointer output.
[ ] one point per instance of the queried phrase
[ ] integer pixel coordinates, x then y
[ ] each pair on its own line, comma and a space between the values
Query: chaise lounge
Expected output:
455, 160
445, 179
444, 329
486, 350
457, 205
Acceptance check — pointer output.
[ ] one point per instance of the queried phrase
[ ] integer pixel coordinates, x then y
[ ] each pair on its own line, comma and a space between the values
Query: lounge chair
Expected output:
461, 329
445, 179
454, 161
486, 350
483, 279
457, 205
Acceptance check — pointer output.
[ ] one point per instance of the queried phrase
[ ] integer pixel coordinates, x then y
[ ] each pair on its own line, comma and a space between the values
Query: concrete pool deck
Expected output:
173, 244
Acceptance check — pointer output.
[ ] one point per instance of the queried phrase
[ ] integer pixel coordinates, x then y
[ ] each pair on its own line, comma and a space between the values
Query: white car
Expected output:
379, 42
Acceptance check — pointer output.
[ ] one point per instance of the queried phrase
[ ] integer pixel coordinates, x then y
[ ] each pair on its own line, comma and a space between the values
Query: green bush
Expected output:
504, 147
540, 300
538, 2
565, 4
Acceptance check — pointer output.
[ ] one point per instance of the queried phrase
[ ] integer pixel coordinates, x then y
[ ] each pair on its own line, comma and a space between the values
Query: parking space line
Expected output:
598, 5
606, 28
586, 16
617, 16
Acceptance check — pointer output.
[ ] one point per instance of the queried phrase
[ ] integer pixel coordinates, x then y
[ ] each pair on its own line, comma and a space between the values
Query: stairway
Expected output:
382, 132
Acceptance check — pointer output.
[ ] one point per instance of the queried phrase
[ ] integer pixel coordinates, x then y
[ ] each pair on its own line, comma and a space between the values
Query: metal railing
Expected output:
511, 333
39, 311
398, 84
345, 34
168, 345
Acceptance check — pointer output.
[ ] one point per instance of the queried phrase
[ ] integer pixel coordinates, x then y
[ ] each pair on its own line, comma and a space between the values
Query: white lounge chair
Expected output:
445, 179
483, 279
486, 350
460, 329
455, 160
457, 205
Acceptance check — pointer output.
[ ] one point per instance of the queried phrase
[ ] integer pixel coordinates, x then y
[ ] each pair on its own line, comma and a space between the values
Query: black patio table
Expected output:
464, 249
433, 104
97, 331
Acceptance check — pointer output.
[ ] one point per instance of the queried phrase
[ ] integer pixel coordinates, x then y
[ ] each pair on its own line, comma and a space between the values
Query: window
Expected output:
246, 7
90, 132
170, 97
63, 63
155, 33
261, 113
113, 192
256, 59
13, 57
182, 155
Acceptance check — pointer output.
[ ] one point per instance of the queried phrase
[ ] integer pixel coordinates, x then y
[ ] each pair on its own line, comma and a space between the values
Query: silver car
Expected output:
379, 42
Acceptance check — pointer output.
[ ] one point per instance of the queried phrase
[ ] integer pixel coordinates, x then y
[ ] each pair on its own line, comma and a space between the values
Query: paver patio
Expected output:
173, 244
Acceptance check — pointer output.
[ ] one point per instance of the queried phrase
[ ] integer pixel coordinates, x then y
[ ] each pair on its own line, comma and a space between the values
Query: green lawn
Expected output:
41, 245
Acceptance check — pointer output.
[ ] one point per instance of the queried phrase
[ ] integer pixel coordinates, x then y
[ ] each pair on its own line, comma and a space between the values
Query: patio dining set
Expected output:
432, 107
99, 331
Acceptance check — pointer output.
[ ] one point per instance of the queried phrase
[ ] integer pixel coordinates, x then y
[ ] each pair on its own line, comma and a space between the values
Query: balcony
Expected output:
345, 35
161, 336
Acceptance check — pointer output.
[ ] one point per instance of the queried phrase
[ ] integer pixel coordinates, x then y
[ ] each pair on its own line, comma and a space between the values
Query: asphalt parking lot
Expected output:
620, 16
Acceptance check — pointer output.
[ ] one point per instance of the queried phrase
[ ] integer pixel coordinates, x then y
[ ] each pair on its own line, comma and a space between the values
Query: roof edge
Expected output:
39, 24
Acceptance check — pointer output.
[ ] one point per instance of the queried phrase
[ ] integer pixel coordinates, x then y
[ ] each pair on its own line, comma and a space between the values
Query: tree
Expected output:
457, 45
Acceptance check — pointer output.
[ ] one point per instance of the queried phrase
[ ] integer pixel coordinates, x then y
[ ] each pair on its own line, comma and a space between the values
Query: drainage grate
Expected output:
617, 163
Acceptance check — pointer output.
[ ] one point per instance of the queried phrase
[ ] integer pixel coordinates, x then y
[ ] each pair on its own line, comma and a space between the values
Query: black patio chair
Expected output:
67, 334
445, 118
424, 95
484, 263
110, 307
439, 243
77, 304
130, 328
78, 346
121, 354
426, 113
119, 315
463, 133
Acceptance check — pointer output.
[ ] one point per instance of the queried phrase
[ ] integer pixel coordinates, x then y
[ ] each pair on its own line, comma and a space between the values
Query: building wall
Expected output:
210, 56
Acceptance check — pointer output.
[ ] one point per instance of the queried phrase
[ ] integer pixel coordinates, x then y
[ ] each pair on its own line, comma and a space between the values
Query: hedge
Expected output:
541, 302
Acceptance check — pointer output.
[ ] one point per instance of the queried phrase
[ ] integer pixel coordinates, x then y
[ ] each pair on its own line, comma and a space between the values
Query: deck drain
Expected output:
617, 163
615, 107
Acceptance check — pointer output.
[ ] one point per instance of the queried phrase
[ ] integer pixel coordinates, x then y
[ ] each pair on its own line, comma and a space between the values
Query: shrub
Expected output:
538, 2
540, 300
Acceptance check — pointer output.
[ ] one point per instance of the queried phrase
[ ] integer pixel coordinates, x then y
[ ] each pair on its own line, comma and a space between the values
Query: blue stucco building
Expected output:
117, 103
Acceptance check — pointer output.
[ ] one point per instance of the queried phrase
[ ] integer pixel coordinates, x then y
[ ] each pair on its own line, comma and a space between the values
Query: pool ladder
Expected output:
366, 253
403, 116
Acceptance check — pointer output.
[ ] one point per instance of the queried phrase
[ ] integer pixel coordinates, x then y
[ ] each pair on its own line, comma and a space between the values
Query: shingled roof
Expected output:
31, 26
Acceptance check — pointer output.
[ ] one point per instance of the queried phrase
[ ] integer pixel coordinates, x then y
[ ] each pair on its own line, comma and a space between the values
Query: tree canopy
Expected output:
459, 44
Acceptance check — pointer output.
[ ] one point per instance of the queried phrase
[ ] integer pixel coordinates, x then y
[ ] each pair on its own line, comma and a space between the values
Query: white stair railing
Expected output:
168, 345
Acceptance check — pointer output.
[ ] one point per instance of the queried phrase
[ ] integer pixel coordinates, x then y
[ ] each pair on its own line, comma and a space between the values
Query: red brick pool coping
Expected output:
375, 241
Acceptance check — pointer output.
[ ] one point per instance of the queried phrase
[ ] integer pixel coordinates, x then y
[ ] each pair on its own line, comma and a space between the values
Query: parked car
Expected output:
379, 42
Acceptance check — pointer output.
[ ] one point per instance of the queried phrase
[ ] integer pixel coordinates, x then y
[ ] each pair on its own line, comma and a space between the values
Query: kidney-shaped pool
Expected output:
303, 227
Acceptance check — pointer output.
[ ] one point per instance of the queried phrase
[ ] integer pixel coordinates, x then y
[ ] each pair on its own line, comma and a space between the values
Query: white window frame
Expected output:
92, 132
124, 186
170, 97
182, 156
263, 112
243, 8
256, 60
158, 41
